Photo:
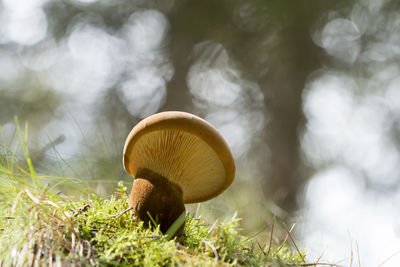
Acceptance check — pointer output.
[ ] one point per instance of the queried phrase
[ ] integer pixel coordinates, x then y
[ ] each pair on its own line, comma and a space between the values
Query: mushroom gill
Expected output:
182, 158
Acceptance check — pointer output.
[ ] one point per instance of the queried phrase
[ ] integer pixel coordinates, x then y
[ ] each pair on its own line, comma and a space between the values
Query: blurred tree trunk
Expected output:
191, 22
292, 56
292, 60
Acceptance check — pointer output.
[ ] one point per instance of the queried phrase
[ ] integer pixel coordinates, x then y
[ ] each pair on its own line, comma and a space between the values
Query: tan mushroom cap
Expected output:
183, 148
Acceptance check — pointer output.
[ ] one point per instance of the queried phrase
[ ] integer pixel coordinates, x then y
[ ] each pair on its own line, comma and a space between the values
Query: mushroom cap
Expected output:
183, 148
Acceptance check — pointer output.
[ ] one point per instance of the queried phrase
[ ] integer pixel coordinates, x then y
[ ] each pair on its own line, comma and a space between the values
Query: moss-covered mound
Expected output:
37, 229
41, 226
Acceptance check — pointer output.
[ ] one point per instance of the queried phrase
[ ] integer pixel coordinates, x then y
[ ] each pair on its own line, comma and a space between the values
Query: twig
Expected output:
316, 263
262, 249
272, 233
38, 254
216, 257
51, 204
81, 249
351, 255
194, 252
121, 213
320, 257
191, 251
50, 255
32, 197
37, 201
286, 238
358, 255
294, 243
14, 206
89, 252
394, 254
72, 242
351, 250
212, 226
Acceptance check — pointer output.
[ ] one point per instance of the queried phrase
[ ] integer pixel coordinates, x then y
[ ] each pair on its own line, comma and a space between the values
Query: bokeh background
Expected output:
306, 93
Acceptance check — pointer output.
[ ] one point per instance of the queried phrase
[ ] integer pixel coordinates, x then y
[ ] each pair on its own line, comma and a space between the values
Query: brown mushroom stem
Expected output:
162, 199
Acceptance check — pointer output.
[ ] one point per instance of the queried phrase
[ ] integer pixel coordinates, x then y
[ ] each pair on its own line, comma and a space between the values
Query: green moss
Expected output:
39, 227
94, 231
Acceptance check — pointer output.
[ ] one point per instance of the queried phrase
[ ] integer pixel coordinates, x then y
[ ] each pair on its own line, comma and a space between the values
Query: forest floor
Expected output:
43, 226
40, 228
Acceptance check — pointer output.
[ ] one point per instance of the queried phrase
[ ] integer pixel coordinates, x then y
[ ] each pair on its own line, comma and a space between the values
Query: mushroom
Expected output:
175, 158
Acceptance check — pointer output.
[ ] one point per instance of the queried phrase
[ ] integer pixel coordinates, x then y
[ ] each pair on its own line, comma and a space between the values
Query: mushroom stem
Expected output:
153, 193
